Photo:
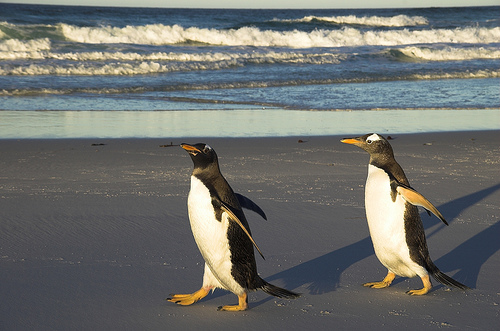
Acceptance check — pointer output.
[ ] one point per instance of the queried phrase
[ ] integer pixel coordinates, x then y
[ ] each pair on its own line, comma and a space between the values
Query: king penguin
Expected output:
222, 234
393, 219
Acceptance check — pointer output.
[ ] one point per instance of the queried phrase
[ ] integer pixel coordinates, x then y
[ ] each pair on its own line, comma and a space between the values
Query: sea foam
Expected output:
152, 63
449, 53
16, 45
159, 34
253, 57
393, 21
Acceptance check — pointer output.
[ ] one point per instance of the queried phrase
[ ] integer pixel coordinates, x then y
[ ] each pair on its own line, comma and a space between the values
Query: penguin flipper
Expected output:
234, 218
417, 199
250, 205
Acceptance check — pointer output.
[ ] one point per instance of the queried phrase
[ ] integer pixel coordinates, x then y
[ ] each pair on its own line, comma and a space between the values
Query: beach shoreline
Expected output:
94, 233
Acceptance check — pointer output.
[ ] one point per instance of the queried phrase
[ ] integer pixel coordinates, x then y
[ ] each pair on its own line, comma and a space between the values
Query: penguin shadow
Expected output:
322, 274
473, 253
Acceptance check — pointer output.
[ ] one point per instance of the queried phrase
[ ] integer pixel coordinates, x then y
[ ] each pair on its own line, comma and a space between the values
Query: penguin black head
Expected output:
203, 155
377, 146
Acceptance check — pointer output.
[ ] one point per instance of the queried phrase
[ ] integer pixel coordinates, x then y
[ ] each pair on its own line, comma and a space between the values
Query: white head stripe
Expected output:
374, 137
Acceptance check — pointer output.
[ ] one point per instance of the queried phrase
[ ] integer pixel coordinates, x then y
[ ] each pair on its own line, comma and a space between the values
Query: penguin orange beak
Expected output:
191, 149
353, 141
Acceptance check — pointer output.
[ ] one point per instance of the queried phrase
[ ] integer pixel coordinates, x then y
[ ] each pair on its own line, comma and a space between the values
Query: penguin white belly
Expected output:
386, 223
211, 237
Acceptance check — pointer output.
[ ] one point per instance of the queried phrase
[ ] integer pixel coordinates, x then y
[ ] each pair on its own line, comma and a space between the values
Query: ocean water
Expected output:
71, 71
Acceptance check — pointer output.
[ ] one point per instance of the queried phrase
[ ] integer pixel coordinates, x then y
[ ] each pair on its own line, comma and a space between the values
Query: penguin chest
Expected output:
210, 234
386, 223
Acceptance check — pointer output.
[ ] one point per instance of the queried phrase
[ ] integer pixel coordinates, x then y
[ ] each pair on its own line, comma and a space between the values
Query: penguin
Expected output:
394, 222
222, 234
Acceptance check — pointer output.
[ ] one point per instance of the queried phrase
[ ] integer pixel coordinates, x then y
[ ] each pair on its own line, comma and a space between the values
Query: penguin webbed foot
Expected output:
241, 306
232, 308
189, 299
381, 284
426, 280
386, 282
421, 291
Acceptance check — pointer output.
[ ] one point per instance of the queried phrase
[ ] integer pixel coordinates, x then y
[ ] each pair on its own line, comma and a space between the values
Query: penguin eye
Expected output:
207, 149
369, 141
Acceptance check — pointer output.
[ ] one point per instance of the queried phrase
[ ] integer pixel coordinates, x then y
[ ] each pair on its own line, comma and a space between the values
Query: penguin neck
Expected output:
388, 163
214, 181
381, 160
208, 172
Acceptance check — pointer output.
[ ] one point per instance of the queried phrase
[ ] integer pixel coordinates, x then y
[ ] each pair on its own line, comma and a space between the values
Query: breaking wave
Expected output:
159, 34
393, 21
253, 57
447, 54
15, 45
98, 63
32, 38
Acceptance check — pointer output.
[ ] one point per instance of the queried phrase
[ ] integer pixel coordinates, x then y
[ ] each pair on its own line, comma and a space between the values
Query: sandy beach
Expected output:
94, 234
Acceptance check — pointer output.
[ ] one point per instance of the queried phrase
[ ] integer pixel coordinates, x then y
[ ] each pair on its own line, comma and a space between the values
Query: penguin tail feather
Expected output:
447, 280
278, 291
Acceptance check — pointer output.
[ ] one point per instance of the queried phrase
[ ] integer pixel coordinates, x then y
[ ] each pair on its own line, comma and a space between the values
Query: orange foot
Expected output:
427, 287
242, 304
386, 282
189, 299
